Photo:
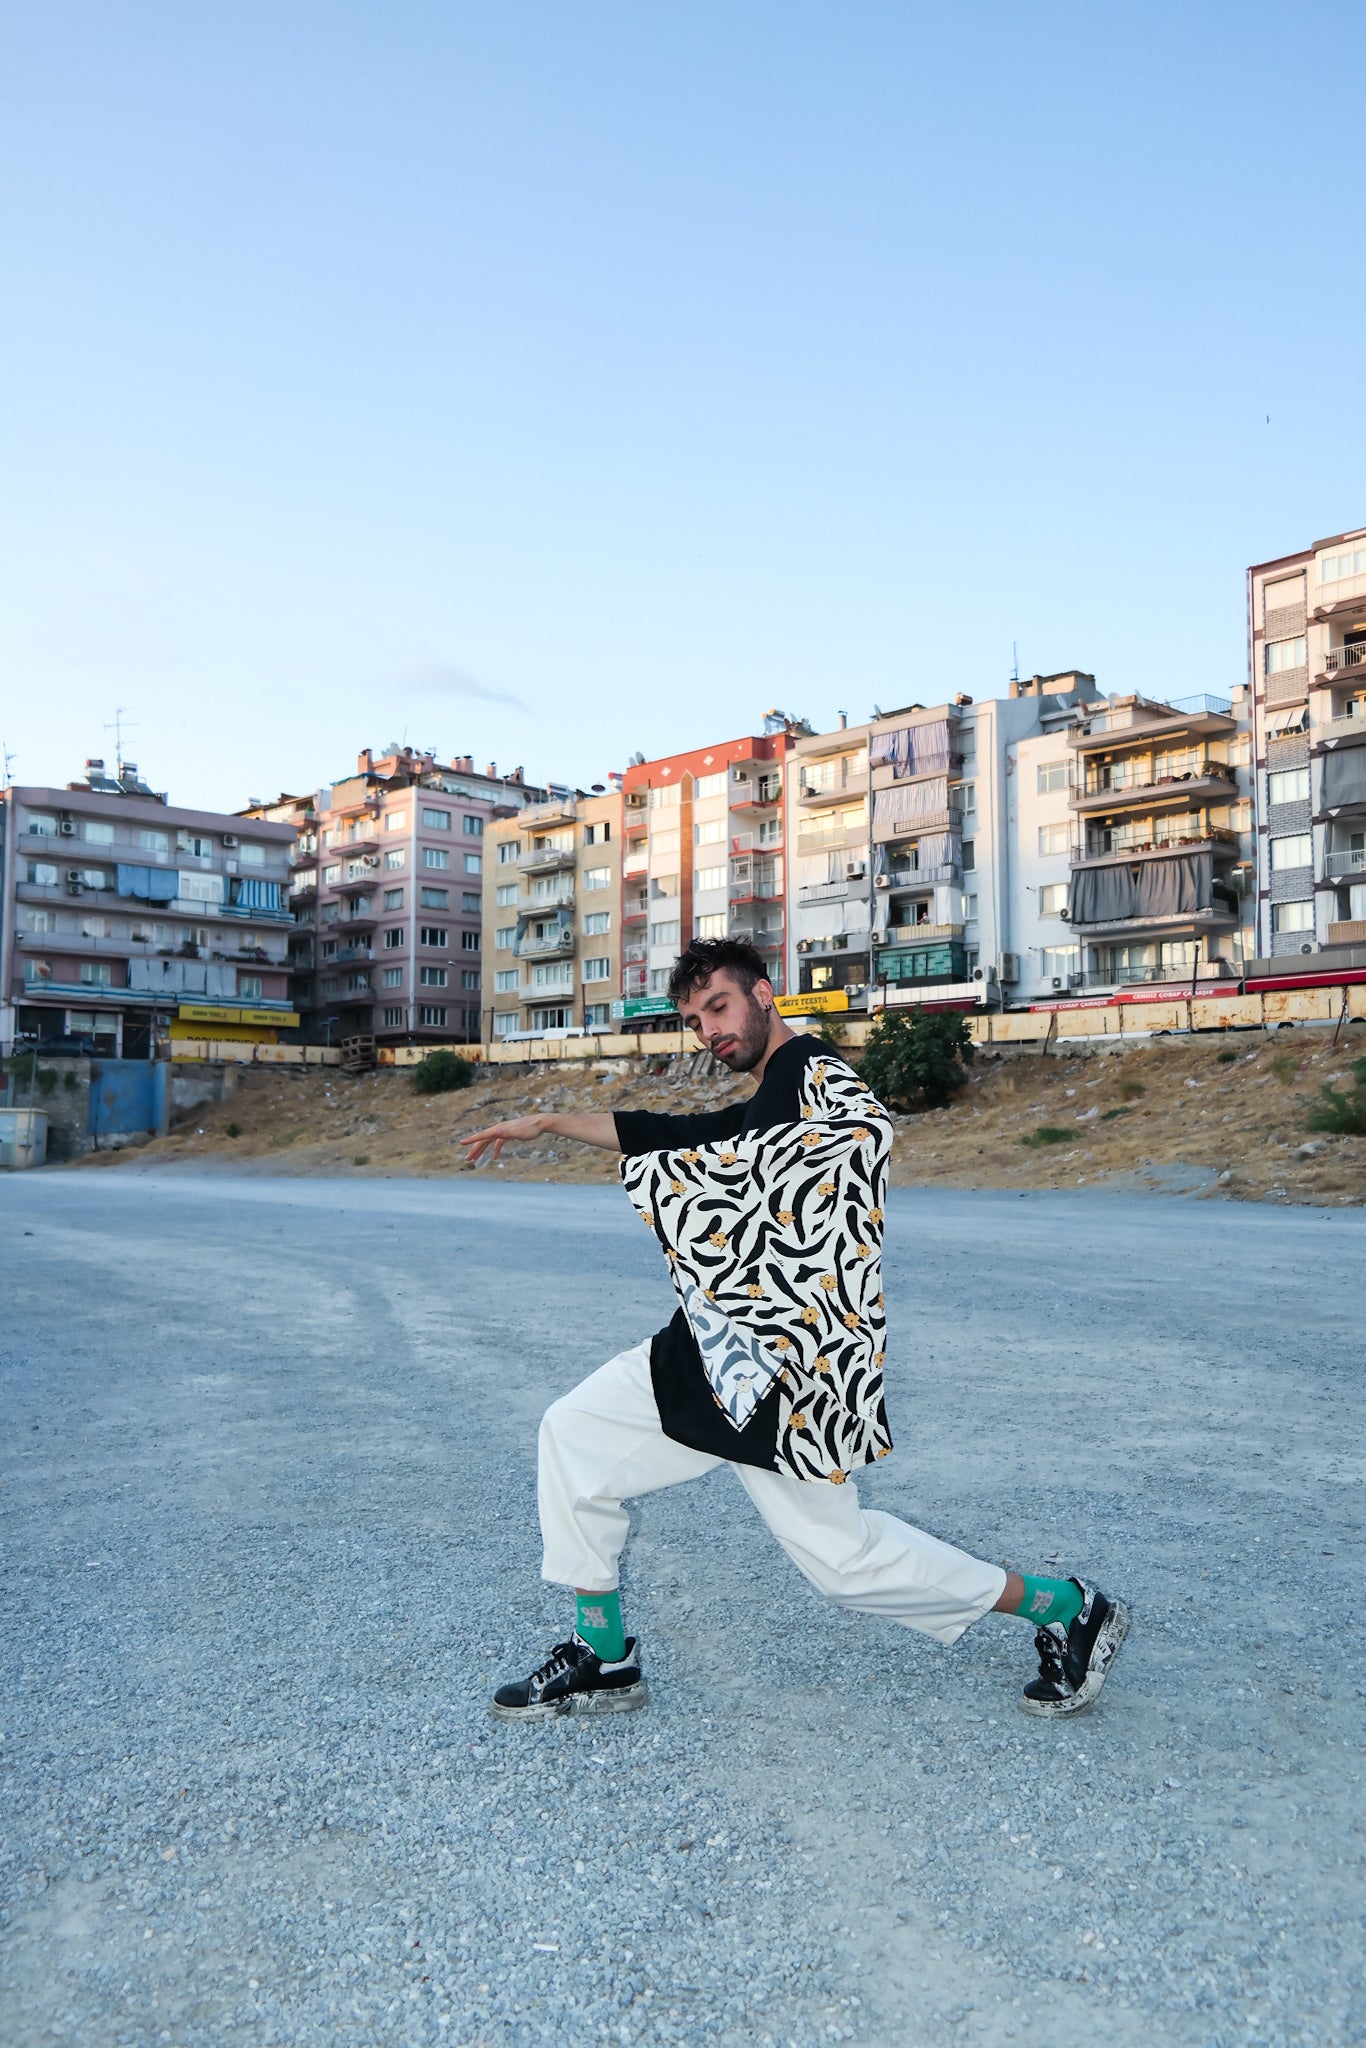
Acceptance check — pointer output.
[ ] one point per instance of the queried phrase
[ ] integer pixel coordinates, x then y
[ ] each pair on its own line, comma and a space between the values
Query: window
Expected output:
665, 934
505, 1024
770, 831
598, 1016
968, 792
251, 854
435, 857
665, 798
597, 878
663, 886
969, 909
358, 983
432, 1016
505, 981
37, 970
1288, 786
393, 899
551, 1020
1292, 917
471, 902
711, 833
505, 895
42, 920
659, 980
505, 936
432, 977
393, 1019
189, 842
433, 935
472, 827
42, 825
469, 942
709, 878
95, 927
1053, 899
597, 969
1053, 838
97, 974
1279, 654
1059, 962
152, 842
395, 821
330, 985
711, 785
100, 834
41, 872
439, 899
332, 873
969, 856
1332, 567
469, 977
553, 974
393, 977
395, 937
596, 923
1295, 850
509, 850
96, 878
597, 835
358, 870
712, 926
435, 821
1052, 775
473, 863
329, 948
250, 985
396, 857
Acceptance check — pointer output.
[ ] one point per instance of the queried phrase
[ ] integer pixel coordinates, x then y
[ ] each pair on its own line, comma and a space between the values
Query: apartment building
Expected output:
704, 856
126, 922
830, 875
387, 896
552, 915
1307, 679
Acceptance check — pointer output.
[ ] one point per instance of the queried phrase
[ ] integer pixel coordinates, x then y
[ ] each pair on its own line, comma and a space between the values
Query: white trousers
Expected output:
603, 1444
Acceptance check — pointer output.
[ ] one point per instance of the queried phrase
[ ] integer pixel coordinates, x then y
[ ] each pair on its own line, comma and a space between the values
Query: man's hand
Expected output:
589, 1127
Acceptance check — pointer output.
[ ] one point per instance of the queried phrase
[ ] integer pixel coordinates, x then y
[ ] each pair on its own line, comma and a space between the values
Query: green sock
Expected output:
1048, 1600
599, 1624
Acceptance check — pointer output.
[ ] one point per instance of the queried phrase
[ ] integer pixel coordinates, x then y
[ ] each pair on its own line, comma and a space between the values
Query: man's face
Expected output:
732, 1025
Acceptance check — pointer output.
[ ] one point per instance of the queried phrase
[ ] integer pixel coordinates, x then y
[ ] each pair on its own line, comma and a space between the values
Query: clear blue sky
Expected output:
548, 382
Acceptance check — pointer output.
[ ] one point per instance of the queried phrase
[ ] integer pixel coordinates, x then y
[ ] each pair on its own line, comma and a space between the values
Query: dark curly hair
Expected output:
699, 961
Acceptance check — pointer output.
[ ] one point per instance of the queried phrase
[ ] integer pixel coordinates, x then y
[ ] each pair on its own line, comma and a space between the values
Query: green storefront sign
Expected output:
641, 1006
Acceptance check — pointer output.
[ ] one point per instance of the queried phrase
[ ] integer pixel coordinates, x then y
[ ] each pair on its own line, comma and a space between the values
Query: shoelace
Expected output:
1050, 1655
560, 1660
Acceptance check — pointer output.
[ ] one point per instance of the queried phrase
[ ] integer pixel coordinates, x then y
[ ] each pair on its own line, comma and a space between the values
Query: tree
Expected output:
917, 1058
441, 1071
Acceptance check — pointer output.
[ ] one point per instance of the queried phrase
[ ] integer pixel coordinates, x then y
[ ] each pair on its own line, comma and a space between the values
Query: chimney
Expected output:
516, 774
844, 721
492, 771
365, 761
962, 698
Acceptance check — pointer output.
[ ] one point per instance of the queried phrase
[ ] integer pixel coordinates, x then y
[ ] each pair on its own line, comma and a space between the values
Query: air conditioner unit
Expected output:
1057, 981
805, 945
1065, 914
987, 974
229, 839
855, 871
1310, 946
1008, 967
73, 881
882, 881
67, 828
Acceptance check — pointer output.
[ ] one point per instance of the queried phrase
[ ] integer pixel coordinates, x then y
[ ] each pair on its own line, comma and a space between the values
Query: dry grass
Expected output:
1131, 1117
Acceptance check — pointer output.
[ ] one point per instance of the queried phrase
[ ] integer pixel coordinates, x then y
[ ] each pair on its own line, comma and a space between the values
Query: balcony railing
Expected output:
545, 949
830, 892
550, 900
1340, 658
1353, 862
1192, 769
1128, 845
914, 934
1352, 717
920, 878
545, 860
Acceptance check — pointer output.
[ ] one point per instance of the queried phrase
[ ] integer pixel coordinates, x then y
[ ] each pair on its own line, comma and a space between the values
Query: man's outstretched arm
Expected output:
589, 1126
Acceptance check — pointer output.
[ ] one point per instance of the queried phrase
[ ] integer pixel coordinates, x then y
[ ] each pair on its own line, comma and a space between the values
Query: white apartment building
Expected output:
552, 916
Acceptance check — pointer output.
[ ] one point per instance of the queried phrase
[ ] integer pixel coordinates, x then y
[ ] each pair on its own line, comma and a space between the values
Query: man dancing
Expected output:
769, 1214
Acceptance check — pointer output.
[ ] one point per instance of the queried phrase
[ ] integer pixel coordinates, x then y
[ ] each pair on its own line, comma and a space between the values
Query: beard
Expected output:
752, 1042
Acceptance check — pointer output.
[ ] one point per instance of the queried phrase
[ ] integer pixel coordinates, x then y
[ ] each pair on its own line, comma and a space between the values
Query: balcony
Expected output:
830, 892
635, 864
813, 838
813, 795
1127, 846
919, 934
634, 956
1202, 781
545, 860
1346, 865
768, 940
1138, 726
899, 878
1348, 931
639, 915
558, 948
550, 900
760, 796
1343, 659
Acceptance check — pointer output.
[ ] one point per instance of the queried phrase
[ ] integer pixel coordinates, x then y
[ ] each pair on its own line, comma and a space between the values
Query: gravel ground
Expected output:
268, 1492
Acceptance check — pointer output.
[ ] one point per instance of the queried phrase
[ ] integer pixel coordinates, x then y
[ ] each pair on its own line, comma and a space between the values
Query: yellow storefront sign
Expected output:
818, 999
224, 1013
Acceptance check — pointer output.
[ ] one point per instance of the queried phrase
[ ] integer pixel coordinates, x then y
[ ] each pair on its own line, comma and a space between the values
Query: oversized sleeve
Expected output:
646, 1130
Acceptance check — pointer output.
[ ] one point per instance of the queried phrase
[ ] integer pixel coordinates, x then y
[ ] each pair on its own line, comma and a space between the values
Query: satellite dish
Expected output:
599, 788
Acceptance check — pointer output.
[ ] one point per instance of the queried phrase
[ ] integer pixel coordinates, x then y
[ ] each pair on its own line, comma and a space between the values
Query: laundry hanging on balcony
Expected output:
249, 894
907, 802
1176, 887
914, 749
149, 885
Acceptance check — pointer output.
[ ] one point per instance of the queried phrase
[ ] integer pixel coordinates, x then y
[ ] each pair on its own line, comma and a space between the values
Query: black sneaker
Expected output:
1075, 1662
574, 1680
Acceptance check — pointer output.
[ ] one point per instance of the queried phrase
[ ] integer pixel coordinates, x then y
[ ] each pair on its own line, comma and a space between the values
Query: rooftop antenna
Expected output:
116, 727
7, 757
1015, 661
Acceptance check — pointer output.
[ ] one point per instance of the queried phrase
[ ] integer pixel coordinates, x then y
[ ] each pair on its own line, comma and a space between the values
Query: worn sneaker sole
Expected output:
625, 1699
1112, 1633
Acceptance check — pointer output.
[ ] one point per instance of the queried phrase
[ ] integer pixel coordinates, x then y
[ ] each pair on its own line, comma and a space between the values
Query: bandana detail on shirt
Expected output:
773, 1242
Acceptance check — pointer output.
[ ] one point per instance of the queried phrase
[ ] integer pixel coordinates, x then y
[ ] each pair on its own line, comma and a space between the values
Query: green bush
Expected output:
1344, 1115
917, 1058
441, 1071
1226, 1057
1047, 1134
234, 1130
1109, 1115
1131, 1088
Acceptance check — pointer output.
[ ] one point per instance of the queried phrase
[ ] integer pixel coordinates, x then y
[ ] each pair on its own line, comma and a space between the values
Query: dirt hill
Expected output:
1219, 1116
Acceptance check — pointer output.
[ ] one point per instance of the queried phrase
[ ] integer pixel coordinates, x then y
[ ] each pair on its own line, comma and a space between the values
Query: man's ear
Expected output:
763, 989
